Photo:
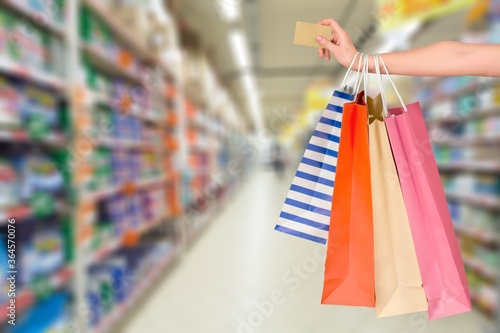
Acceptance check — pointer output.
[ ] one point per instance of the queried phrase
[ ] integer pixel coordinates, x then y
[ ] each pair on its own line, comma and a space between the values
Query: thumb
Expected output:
327, 43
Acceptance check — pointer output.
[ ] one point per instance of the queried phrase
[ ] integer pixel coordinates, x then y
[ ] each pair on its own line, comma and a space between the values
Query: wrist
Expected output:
353, 56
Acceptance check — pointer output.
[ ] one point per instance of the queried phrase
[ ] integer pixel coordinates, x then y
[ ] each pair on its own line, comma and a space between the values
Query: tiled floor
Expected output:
229, 279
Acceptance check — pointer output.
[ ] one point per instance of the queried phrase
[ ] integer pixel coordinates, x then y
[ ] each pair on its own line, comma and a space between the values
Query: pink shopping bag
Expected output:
436, 245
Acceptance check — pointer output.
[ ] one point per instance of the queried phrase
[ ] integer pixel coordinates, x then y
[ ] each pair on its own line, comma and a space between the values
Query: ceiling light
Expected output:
253, 98
239, 48
229, 10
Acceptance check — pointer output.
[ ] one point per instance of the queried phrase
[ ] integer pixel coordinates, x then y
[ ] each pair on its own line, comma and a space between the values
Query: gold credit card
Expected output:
306, 33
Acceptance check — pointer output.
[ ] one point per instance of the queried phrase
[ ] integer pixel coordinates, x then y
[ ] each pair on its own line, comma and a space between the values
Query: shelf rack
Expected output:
81, 101
486, 238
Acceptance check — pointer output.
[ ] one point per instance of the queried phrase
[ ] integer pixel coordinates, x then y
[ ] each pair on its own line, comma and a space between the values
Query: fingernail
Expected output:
318, 38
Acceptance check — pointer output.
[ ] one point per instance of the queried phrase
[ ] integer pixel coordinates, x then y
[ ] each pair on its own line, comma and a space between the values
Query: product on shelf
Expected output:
95, 32
42, 253
39, 111
26, 45
113, 281
10, 99
102, 177
39, 175
9, 184
49, 315
488, 185
119, 162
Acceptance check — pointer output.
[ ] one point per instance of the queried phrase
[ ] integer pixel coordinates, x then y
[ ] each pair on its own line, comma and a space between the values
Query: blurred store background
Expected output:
146, 147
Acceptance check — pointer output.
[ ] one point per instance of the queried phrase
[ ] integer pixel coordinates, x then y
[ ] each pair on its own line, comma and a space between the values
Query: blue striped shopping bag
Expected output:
306, 212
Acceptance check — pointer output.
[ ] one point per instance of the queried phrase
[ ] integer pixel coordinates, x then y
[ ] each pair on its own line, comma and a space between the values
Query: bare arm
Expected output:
439, 59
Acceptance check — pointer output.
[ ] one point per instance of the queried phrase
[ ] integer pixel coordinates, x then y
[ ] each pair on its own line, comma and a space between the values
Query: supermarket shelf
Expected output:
121, 31
37, 76
453, 119
113, 189
23, 211
469, 141
111, 247
43, 20
472, 166
145, 115
481, 268
101, 60
17, 212
480, 235
27, 297
146, 283
53, 139
471, 88
480, 200
129, 144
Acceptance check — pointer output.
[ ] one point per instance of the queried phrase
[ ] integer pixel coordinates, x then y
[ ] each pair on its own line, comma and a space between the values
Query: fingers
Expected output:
328, 45
337, 29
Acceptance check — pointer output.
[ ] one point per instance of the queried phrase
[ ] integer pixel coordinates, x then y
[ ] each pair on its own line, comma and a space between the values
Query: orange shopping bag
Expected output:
349, 267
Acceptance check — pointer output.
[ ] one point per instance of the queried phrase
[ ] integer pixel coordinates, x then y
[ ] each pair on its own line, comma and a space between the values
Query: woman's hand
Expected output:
339, 44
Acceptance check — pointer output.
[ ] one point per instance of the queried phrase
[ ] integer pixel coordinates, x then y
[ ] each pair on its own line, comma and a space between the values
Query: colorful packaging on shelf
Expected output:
467, 104
117, 269
42, 253
117, 208
454, 208
121, 94
135, 212
105, 290
38, 174
9, 184
93, 301
39, 103
474, 127
101, 163
50, 10
102, 122
10, 100
488, 185
26, 44
146, 203
121, 126
136, 129
5, 29
48, 315
120, 166
160, 205
134, 166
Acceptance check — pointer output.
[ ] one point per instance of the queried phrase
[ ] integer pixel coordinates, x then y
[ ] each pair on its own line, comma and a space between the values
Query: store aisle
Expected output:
243, 277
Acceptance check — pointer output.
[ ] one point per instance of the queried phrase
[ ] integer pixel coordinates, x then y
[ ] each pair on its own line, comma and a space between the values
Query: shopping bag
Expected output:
436, 245
398, 284
306, 212
349, 266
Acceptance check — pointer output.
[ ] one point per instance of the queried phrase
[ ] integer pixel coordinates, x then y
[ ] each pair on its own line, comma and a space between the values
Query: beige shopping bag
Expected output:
398, 284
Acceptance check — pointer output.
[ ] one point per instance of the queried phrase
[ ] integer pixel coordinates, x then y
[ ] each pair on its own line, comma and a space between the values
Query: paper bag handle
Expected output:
364, 77
349, 71
378, 60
